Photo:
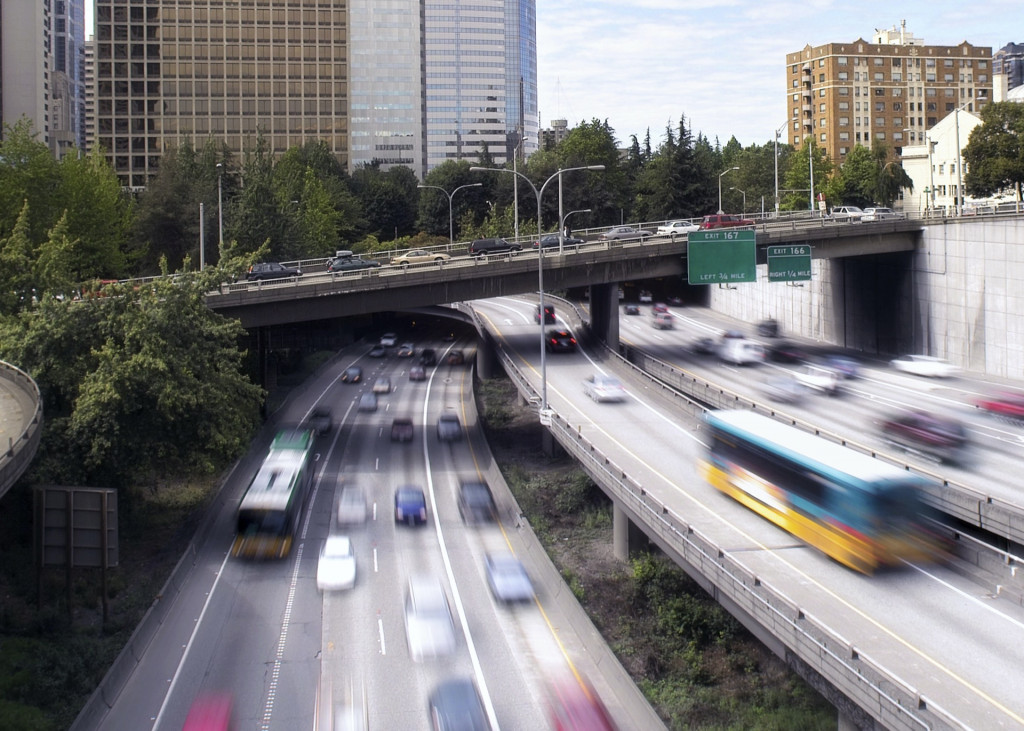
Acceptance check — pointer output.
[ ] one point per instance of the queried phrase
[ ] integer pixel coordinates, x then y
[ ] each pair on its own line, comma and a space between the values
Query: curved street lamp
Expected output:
728, 170
561, 228
744, 199
540, 265
451, 225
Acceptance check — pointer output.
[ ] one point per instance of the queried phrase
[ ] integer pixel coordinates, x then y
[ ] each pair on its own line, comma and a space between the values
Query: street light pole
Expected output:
451, 223
728, 170
565, 218
744, 199
959, 162
220, 215
540, 265
777, 133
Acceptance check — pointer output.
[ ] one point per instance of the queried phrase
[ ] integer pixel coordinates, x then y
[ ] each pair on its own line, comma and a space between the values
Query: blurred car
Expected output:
602, 388
406, 350
352, 508
388, 340
723, 220
631, 309
455, 705
663, 321
559, 341
740, 351
429, 627
703, 346
645, 297
449, 428
551, 242
350, 264
820, 378
352, 374
378, 351
675, 301
428, 357
493, 246
848, 367
624, 233
677, 228
783, 389
417, 373
924, 365
476, 503
455, 357
659, 307
420, 256
878, 214
382, 385
1009, 405
549, 314
784, 351
768, 328
209, 712
320, 421
401, 429
938, 437
507, 578
368, 401
271, 270
575, 706
336, 568
410, 505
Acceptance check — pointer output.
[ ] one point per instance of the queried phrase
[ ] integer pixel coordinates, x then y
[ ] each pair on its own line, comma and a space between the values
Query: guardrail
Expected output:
16, 455
806, 641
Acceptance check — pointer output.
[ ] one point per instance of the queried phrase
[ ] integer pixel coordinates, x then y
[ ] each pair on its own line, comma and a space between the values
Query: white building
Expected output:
25, 42
935, 167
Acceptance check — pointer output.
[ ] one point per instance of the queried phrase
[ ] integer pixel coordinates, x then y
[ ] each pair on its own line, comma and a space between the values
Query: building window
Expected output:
844, 91
879, 121
897, 121
843, 150
982, 64
879, 92
948, 92
878, 60
879, 76
948, 63
929, 77
822, 93
844, 136
821, 78
821, 63
897, 106
932, 107
844, 106
879, 135
897, 92
929, 92
821, 107
841, 60
844, 121
796, 83
897, 136
823, 137
948, 78
879, 106
843, 75
897, 76
982, 78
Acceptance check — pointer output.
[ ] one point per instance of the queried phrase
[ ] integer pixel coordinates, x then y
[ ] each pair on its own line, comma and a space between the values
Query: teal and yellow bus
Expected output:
858, 510
271, 509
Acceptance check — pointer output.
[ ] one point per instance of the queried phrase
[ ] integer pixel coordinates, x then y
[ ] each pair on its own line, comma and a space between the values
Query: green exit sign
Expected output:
722, 256
790, 263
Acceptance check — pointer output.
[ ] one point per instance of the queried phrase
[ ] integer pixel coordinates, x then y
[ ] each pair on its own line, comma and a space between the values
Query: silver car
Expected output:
429, 627
625, 233
507, 578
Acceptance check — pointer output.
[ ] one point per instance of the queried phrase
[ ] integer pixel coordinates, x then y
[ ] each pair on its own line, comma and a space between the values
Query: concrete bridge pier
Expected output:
604, 313
485, 357
626, 535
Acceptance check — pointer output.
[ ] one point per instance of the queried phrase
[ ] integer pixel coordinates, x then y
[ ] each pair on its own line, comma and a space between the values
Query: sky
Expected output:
642, 64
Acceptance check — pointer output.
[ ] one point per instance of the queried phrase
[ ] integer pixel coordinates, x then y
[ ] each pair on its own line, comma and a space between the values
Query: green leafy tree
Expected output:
138, 384
449, 175
796, 195
16, 261
258, 216
28, 173
318, 222
855, 181
56, 269
994, 155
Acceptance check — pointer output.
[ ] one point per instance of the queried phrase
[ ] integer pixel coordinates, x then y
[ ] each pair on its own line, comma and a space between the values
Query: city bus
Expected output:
269, 513
858, 510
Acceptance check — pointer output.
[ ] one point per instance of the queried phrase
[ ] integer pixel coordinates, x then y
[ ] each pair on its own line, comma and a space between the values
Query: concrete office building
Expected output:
398, 82
67, 78
25, 42
934, 165
889, 91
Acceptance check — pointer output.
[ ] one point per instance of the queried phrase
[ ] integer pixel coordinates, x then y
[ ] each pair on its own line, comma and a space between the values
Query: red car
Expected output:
724, 220
575, 706
1008, 405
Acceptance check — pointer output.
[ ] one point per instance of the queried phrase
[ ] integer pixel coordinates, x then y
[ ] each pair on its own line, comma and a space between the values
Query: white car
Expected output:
645, 297
740, 351
878, 214
676, 228
352, 507
624, 233
507, 578
336, 568
846, 213
924, 365
429, 627
820, 378
603, 388
388, 340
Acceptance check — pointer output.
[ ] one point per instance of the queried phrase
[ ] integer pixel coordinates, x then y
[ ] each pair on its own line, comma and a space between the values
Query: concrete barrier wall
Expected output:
17, 454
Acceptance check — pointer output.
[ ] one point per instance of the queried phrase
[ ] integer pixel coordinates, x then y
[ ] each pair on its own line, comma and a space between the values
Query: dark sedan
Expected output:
560, 341
476, 503
350, 264
352, 374
551, 241
937, 437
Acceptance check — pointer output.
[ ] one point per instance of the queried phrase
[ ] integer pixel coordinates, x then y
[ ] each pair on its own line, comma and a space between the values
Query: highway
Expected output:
293, 657
936, 630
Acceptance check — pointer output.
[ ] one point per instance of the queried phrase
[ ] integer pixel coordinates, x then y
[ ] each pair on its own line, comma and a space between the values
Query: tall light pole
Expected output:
540, 267
777, 133
561, 239
451, 224
959, 162
220, 214
810, 162
744, 199
728, 170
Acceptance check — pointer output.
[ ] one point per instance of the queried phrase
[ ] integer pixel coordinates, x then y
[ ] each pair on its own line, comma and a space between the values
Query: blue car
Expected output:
410, 505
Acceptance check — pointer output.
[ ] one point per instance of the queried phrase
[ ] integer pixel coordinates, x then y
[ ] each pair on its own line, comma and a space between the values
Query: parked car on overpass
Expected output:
625, 233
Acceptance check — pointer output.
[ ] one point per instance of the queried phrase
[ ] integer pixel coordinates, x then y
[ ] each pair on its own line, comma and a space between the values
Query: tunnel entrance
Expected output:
874, 302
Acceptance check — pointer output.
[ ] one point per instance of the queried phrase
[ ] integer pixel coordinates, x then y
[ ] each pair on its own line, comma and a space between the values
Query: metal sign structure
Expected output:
723, 256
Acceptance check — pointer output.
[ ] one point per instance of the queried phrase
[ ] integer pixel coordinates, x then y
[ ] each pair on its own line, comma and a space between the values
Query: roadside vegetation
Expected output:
698, 666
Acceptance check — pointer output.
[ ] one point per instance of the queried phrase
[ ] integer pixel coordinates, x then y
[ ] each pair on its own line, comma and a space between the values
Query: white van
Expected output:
740, 351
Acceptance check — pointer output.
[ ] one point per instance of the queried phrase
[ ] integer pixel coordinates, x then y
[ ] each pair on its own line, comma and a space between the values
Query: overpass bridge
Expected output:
315, 296
21, 423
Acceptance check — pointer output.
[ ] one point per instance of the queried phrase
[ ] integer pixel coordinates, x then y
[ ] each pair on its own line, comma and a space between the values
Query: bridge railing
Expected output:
16, 455
804, 640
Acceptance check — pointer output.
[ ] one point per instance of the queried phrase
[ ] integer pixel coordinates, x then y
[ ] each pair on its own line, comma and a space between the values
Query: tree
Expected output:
137, 385
796, 188
317, 223
28, 173
16, 261
994, 155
